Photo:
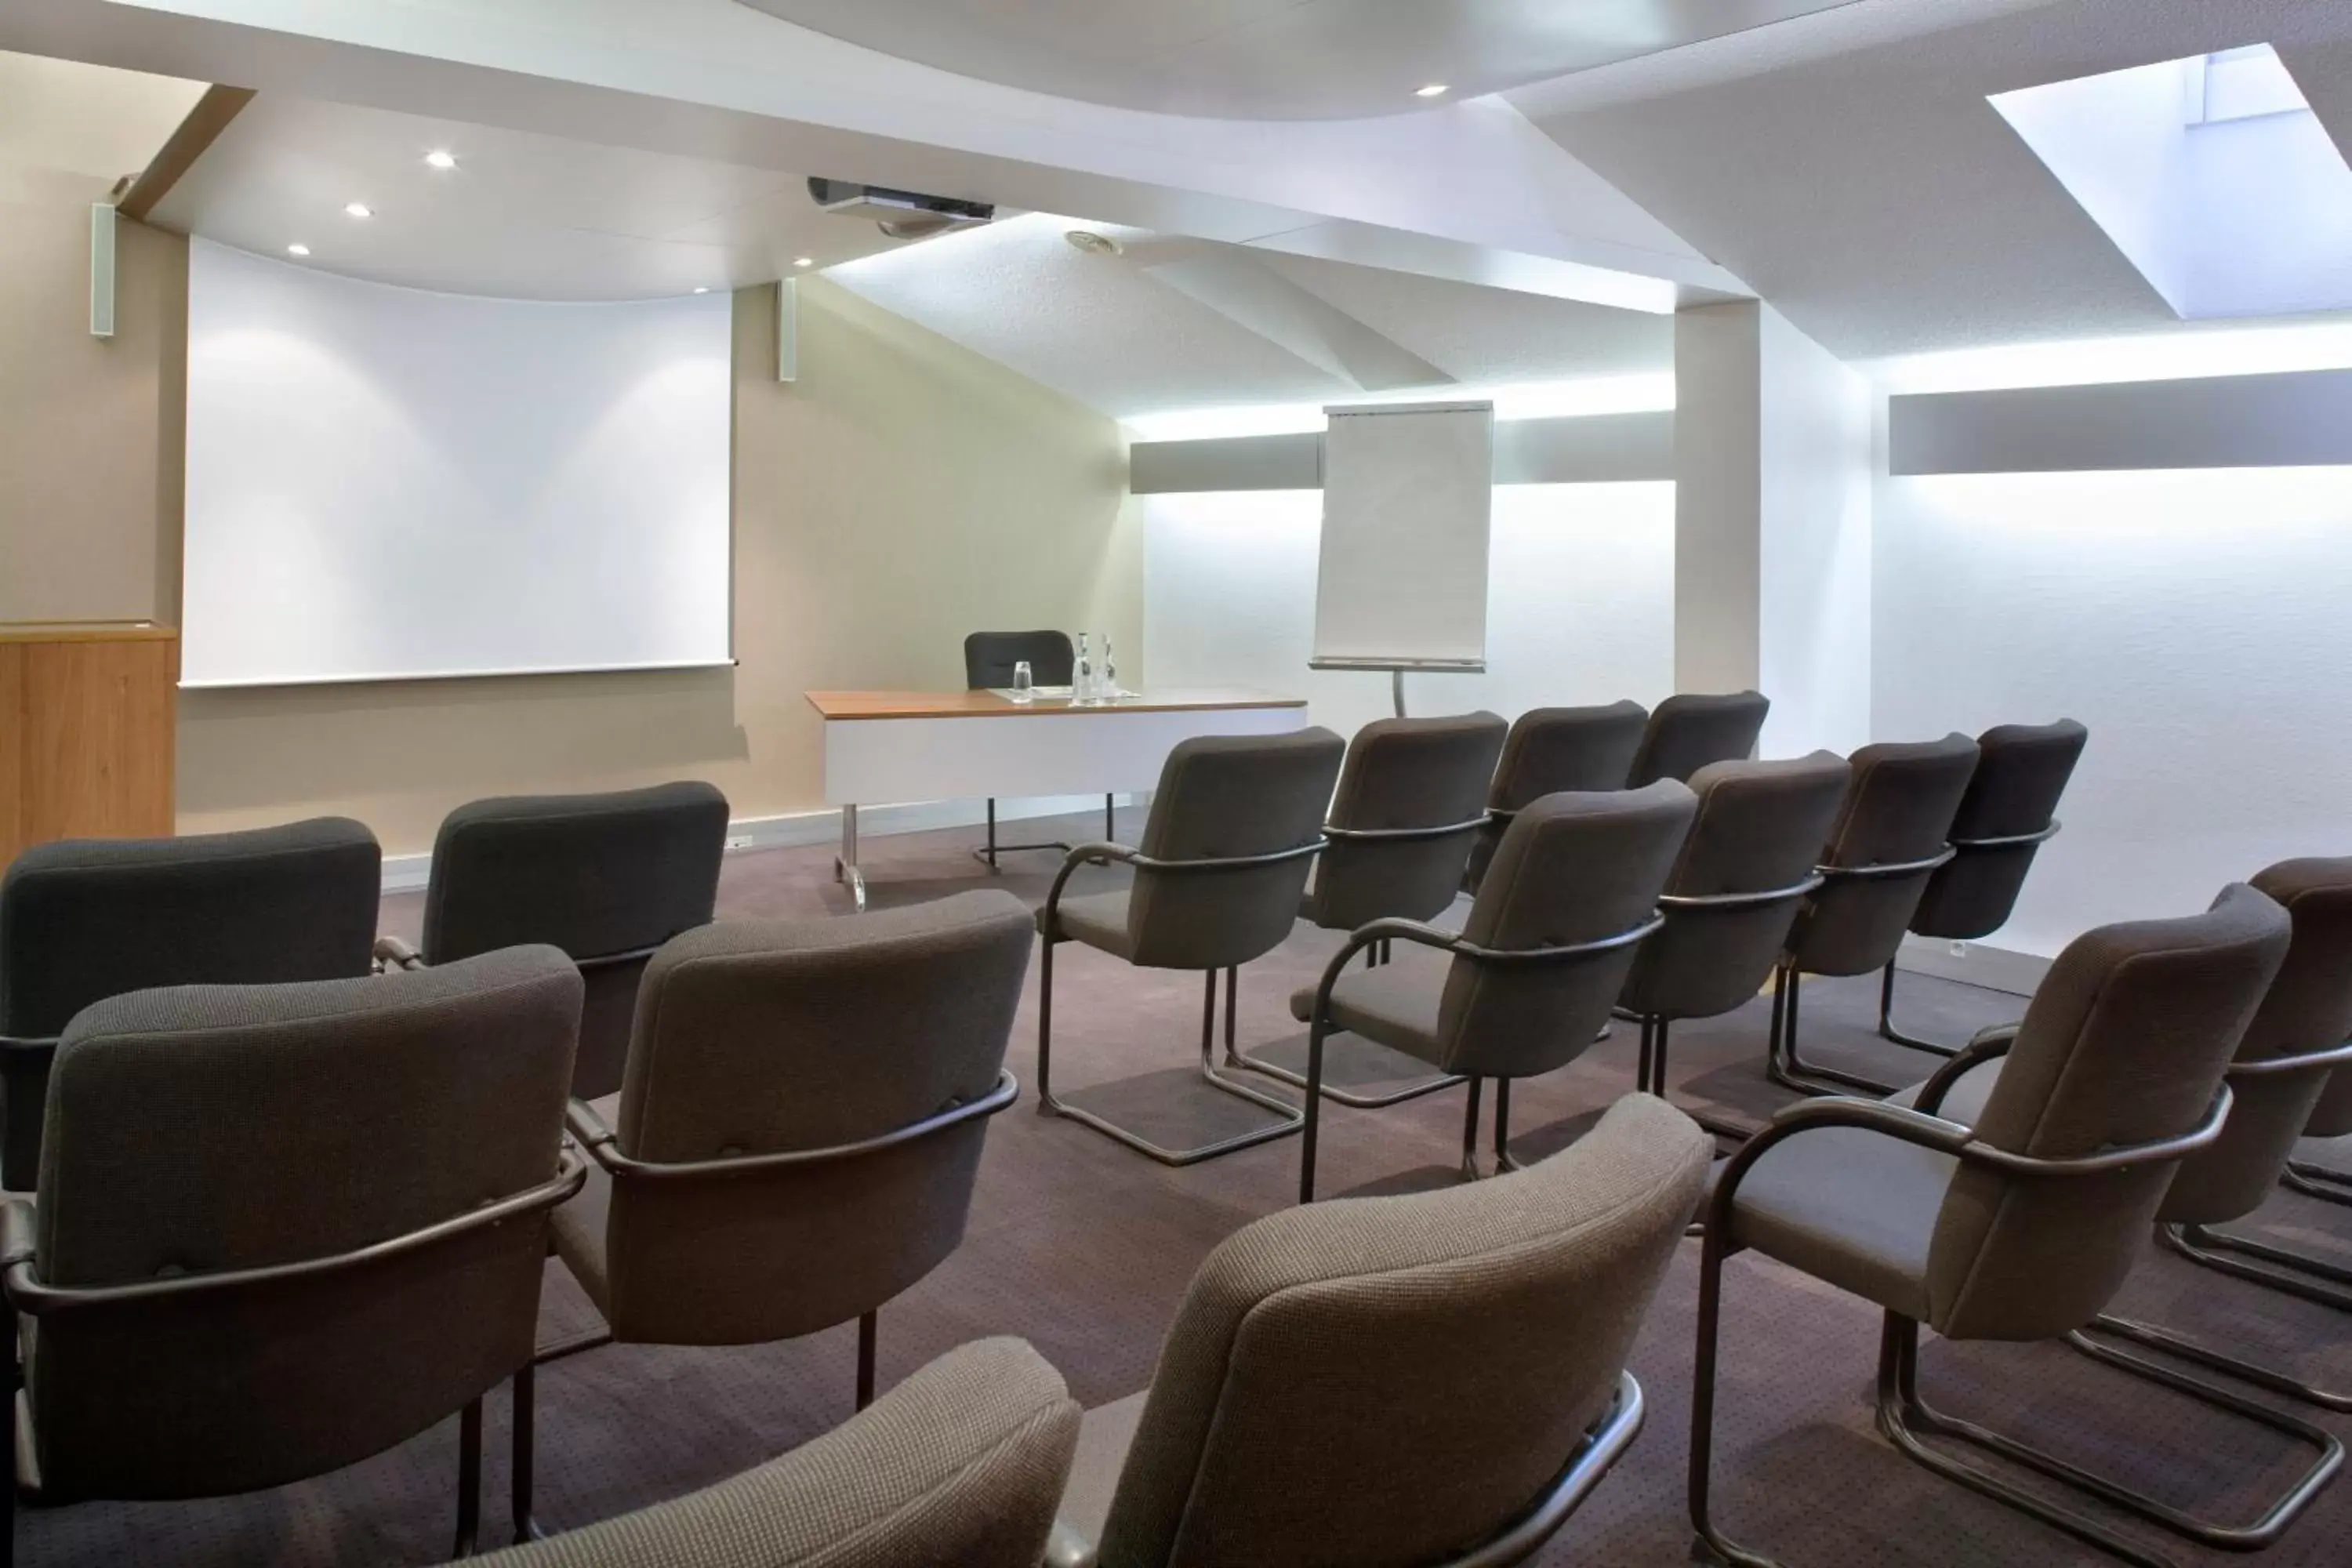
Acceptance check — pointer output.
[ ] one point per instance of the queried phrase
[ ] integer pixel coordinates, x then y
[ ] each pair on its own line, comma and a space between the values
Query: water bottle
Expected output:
1082, 679
1110, 672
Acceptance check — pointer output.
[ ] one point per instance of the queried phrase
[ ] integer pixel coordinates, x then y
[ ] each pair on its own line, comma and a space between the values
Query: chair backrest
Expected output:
1897, 812
1230, 797
1554, 748
763, 1037
989, 659
1573, 868
2308, 1008
81, 919
1442, 1351
219, 1128
2125, 1042
962, 1463
1402, 774
596, 875
1690, 729
1759, 829
2021, 770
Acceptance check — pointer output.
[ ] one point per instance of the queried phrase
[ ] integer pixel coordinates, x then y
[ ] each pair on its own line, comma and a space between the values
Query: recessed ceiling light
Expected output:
440, 159
358, 209
702, 291
1434, 90
297, 249
804, 261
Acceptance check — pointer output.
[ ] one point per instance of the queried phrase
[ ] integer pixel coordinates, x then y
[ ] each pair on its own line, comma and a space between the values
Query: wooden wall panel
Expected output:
88, 750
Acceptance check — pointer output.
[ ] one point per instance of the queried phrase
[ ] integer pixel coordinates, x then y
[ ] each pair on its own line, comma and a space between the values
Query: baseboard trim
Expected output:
1973, 964
798, 829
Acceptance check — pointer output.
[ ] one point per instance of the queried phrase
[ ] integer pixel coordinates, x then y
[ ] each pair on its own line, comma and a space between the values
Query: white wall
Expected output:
2196, 620
1579, 608
1813, 547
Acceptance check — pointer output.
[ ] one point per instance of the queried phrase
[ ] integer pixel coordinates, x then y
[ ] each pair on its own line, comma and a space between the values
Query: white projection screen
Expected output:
1401, 580
387, 484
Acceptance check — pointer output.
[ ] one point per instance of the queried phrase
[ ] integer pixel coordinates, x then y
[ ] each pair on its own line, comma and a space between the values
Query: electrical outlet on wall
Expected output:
738, 841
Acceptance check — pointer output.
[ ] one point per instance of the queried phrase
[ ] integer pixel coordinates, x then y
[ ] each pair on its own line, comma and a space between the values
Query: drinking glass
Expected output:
1022, 681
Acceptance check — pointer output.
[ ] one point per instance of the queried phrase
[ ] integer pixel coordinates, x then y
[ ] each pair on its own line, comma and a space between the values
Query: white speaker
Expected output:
788, 329
102, 270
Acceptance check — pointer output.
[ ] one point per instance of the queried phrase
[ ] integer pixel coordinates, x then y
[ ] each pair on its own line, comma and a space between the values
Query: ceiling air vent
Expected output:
901, 214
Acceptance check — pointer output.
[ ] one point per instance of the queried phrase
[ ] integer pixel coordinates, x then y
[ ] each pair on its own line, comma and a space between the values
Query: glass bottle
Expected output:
1110, 672
1082, 678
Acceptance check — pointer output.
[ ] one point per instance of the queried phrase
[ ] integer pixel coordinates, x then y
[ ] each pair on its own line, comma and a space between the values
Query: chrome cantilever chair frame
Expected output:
603, 1145
1783, 1065
1903, 1416
25, 1294
1108, 854
1886, 1028
1319, 1026
1375, 955
2297, 1274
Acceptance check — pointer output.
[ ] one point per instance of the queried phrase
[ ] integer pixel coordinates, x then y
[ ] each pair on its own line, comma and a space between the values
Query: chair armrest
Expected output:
580, 1118
391, 953
17, 1218
1066, 1548
1100, 853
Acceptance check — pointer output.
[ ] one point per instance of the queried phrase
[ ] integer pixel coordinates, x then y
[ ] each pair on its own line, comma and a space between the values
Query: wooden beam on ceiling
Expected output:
202, 127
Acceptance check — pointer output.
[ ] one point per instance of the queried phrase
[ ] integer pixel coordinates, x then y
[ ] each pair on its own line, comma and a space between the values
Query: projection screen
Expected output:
1401, 579
388, 484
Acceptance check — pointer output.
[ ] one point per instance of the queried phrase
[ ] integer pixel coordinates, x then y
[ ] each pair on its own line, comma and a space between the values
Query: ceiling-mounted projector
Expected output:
901, 214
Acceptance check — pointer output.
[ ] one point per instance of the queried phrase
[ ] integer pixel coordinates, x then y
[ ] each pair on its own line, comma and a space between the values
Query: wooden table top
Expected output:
989, 705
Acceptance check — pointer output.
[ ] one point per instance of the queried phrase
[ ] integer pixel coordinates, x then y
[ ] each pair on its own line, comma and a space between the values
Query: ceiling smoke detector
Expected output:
1093, 244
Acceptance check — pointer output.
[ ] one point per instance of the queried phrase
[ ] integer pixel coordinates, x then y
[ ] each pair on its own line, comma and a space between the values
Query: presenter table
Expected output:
895, 746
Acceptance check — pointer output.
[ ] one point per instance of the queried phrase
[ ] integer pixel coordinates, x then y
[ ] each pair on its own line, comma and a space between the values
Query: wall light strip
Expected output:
1576, 398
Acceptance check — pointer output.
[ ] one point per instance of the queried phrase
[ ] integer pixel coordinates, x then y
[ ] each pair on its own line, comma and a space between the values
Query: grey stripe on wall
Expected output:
2296, 419
1601, 449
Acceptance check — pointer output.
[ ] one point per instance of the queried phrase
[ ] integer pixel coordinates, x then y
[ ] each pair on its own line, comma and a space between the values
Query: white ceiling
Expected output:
1849, 170
523, 216
87, 120
1273, 59
1113, 334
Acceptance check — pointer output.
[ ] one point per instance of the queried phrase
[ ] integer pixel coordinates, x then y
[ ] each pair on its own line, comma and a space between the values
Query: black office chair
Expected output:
1690, 729
988, 661
1551, 750
85, 918
607, 877
2009, 812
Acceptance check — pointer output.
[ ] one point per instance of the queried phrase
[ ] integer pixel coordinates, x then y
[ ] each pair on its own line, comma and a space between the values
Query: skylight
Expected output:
2210, 173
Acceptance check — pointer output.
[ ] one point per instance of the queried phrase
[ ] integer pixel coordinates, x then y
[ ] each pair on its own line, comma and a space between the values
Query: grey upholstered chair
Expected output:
607, 877
1551, 750
1411, 796
2023, 1227
1732, 896
799, 1125
1690, 729
988, 661
2010, 811
1527, 982
2330, 1118
1890, 835
81, 919
2295, 1041
283, 1227
1428, 1381
1217, 883
962, 1463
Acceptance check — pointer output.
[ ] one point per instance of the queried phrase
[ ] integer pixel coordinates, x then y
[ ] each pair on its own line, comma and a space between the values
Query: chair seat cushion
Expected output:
1965, 1100
1098, 919
1394, 1006
1854, 1208
579, 1225
1105, 1435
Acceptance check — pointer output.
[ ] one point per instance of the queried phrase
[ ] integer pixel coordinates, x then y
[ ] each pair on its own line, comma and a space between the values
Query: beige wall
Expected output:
901, 493
91, 438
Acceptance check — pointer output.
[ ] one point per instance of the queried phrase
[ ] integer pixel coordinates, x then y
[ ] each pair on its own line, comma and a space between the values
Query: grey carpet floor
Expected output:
1084, 1248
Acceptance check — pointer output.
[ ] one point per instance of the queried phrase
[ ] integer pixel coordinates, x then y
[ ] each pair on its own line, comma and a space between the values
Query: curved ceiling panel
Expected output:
1275, 59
